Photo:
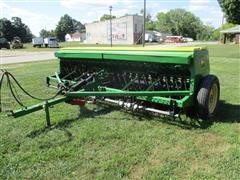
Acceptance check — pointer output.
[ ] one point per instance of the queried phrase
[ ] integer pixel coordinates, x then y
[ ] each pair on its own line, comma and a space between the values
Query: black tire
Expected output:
208, 97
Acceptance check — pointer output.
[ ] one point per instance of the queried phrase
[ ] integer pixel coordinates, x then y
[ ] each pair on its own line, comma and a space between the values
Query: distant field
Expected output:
105, 143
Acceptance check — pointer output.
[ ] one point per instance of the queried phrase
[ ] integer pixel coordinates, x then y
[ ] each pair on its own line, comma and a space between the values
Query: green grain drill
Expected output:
164, 81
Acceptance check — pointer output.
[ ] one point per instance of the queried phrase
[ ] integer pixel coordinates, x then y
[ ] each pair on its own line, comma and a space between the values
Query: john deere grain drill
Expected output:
164, 81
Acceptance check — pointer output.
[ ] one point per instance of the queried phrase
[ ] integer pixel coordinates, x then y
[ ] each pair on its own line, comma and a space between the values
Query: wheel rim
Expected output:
213, 98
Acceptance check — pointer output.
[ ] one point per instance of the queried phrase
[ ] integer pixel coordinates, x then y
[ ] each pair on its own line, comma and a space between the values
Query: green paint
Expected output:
126, 93
140, 56
37, 107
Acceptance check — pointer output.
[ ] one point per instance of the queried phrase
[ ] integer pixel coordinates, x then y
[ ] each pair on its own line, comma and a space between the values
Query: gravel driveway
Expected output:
10, 57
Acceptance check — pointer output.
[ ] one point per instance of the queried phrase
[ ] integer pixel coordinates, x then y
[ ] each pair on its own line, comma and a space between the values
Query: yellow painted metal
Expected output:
213, 98
165, 49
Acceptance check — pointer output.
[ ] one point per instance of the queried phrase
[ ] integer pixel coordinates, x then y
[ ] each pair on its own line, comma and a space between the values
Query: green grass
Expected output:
106, 143
224, 51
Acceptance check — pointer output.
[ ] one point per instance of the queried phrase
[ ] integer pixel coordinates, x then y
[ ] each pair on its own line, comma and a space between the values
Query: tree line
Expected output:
182, 23
65, 25
15, 27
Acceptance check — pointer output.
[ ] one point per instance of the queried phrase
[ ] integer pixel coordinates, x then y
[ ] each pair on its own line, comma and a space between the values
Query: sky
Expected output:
45, 14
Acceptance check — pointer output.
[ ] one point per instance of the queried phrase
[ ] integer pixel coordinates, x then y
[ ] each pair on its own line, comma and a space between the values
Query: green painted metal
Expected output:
157, 99
181, 103
56, 80
157, 57
126, 93
196, 60
37, 107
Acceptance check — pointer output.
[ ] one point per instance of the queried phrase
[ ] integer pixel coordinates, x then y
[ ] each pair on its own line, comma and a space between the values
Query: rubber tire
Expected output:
203, 96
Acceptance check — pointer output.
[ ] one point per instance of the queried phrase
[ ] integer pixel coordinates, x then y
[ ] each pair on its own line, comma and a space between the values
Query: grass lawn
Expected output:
105, 143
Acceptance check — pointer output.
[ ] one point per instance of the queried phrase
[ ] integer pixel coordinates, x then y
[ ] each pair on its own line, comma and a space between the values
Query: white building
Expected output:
77, 36
125, 30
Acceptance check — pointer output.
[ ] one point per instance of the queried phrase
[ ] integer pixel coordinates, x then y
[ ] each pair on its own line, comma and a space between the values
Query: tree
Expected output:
231, 9
105, 17
150, 24
44, 33
16, 27
206, 32
6, 29
161, 23
67, 25
78, 26
179, 22
21, 30
216, 32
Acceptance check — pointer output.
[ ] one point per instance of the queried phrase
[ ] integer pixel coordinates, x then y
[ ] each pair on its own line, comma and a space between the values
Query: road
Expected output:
10, 57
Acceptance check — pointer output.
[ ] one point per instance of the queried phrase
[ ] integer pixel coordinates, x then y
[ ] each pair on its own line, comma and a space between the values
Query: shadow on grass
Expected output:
62, 125
227, 113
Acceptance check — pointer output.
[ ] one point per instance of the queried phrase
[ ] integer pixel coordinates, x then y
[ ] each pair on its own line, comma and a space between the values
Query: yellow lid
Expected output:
174, 49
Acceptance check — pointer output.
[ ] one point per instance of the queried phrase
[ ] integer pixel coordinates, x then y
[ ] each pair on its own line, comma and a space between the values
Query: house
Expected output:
77, 36
234, 31
125, 30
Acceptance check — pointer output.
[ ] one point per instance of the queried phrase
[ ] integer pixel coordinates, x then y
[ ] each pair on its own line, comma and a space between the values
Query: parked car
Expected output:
174, 39
150, 37
51, 42
4, 43
37, 42
187, 39
16, 43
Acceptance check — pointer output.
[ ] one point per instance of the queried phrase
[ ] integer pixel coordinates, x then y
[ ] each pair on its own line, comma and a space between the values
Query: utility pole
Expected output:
223, 19
144, 21
220, 35
110, 9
